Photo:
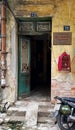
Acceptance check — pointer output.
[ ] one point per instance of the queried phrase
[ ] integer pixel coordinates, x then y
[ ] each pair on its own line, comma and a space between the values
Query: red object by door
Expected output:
64, 62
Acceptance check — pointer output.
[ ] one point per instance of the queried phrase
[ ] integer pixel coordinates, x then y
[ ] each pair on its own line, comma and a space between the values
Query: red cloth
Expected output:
61, 64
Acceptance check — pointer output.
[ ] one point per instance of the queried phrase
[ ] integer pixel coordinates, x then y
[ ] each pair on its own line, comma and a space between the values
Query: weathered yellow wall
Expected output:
63, 83
62, 13
63, 16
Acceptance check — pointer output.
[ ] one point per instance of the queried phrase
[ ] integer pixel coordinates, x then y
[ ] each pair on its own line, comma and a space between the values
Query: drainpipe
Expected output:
3, 48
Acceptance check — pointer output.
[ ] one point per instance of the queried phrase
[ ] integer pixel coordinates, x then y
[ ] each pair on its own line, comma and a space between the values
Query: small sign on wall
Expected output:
62, 38
66, 28
33, 14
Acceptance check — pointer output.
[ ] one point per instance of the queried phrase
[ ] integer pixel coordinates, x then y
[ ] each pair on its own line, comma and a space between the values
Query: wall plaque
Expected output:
43, 26
62, 38
26, 26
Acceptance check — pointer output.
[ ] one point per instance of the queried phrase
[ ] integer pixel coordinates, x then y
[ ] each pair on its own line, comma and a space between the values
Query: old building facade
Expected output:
40, 48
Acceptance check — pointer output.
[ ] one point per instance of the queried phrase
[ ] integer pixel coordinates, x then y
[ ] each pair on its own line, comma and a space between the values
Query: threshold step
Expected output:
45, 109
45, 120
16, 118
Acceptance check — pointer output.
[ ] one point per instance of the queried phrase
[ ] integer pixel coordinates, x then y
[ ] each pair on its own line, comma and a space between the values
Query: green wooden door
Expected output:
24, 67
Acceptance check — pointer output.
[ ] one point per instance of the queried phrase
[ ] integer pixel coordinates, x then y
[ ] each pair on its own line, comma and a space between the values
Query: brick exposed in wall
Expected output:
58, 88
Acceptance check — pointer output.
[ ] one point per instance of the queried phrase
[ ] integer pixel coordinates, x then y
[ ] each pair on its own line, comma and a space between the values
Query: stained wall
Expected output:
62, 13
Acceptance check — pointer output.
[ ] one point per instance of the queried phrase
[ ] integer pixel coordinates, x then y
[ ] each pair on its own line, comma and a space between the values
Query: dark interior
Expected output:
41, 63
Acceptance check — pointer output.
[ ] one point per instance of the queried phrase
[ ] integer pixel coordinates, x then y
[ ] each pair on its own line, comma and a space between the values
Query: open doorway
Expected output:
41, 64
34, 59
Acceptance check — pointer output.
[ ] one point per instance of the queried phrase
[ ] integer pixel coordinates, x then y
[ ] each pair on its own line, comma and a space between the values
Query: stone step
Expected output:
31, 113
47, 126
16, 116
42, 128
30, 128
45, 120
45, 111
45, 114
46, 108
14, 108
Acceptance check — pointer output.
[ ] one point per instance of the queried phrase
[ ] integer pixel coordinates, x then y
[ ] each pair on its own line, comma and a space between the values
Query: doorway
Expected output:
41, 64
34, 65
34, 59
